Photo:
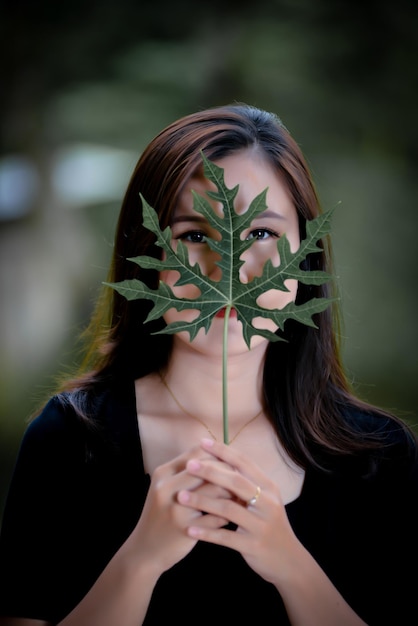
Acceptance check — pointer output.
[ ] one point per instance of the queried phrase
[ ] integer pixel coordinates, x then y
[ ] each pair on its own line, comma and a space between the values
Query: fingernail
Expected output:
193, 465
207, 443
183, 496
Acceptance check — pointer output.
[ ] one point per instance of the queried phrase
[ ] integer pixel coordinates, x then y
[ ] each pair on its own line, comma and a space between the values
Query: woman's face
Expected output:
253, 174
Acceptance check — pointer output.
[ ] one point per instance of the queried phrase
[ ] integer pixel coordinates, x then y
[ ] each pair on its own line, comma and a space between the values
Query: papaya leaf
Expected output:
228, 292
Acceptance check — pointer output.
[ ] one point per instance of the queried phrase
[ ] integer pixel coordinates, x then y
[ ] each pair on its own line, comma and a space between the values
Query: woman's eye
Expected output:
193, 236
262, 233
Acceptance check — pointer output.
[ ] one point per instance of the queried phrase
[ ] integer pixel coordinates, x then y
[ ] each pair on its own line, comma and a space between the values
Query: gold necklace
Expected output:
181, 407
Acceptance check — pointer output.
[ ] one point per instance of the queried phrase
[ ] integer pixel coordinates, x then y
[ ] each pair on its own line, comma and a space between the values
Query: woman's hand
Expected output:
264, 536
161, 533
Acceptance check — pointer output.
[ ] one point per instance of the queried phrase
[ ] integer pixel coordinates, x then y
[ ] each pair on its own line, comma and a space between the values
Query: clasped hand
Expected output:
196, 495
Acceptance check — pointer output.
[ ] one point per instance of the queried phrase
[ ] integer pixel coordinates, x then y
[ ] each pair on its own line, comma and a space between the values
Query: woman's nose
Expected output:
244, 273
250, 268
213, 270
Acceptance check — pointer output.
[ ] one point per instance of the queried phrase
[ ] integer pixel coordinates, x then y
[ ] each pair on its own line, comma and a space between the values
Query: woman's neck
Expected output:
197, 382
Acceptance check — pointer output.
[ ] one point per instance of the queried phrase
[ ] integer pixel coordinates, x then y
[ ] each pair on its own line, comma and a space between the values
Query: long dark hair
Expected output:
306, 391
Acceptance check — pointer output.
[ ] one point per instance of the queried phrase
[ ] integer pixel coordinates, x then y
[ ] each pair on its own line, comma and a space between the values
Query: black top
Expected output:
75, 497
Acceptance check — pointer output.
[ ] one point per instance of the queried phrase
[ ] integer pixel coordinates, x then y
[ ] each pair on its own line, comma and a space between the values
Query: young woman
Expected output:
127, 508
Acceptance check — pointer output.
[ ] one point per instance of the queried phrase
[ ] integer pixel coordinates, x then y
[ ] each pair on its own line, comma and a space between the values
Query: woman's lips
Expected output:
221, 313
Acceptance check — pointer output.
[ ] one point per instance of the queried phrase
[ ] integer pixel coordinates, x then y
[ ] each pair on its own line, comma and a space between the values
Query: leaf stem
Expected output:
224, 374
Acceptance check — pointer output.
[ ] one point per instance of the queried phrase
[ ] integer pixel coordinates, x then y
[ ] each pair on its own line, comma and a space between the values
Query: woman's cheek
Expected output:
170, 277
190, 292
275, 299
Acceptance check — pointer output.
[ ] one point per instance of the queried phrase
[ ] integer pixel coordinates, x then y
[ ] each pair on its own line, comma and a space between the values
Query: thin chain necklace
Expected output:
181, 407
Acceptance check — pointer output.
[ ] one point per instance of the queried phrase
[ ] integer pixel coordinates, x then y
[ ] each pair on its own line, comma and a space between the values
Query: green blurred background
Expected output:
86, 85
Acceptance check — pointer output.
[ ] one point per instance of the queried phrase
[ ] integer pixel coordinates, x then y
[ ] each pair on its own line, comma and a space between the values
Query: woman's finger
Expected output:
243, 488
231, 456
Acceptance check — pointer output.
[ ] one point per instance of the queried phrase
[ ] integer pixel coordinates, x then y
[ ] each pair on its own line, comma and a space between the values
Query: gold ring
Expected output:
255, 497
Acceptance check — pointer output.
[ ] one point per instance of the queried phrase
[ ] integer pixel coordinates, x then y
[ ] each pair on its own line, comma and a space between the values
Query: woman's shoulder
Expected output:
87, 417
393, 444
55, 420
54, 436
370, 421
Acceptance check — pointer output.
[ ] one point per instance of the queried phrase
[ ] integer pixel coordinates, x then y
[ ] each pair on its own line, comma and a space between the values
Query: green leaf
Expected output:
228, 292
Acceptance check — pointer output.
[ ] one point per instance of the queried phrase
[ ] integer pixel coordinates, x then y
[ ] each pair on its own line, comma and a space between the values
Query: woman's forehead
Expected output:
252, 174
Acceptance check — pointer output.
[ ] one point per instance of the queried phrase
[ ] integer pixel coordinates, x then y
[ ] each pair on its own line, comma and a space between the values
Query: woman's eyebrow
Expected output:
188, 218
268, 214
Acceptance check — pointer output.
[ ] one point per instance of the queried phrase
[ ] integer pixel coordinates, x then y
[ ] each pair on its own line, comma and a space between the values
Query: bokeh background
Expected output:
86, 84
